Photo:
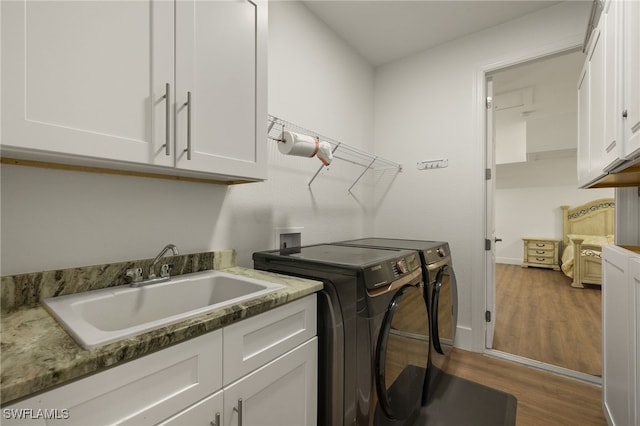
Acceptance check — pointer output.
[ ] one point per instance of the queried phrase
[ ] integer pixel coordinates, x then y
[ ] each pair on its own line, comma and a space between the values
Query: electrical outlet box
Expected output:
292, 239
287, 237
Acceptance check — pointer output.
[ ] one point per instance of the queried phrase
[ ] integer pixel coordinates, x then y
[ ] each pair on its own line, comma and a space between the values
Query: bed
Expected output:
585, 229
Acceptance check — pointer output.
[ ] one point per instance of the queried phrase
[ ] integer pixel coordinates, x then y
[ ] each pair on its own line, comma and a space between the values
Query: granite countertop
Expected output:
38, 354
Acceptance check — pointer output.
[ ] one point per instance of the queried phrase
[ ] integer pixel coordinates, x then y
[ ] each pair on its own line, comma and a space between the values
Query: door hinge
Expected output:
487, 244
487, 174
487, 316
489, 102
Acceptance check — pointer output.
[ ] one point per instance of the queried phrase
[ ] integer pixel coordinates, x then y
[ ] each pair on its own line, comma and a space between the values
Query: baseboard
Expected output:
509, 260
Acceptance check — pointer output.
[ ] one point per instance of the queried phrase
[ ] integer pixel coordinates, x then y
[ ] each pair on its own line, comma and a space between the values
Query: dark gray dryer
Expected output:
370, 368
441, 293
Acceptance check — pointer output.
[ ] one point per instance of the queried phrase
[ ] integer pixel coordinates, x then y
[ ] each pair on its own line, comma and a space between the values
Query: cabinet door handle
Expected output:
188, 105
167, 119
216, 422
238, 409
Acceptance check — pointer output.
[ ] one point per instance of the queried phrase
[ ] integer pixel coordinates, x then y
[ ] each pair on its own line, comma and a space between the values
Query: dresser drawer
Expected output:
538, 252
541, 260
540, 245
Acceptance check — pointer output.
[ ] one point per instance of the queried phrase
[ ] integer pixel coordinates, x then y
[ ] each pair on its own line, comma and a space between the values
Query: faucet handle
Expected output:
135, 274
165, 270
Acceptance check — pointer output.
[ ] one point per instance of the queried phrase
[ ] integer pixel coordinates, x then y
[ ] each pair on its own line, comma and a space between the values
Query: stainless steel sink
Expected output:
102, 316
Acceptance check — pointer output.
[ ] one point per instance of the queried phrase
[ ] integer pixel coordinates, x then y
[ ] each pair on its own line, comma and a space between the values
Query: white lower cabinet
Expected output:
184, 384
282, 393
620, 315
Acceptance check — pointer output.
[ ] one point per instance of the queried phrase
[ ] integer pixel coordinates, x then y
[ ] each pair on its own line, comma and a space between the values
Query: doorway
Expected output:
532, 122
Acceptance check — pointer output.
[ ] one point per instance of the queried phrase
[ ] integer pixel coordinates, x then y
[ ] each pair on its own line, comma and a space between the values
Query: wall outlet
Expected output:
284, 238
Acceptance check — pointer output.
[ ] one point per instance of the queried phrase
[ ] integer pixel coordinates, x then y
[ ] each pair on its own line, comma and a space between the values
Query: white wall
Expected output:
527, 202
429, 106
57, 219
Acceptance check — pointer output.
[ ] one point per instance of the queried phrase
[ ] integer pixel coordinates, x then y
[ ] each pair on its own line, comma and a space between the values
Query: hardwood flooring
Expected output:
541, 317
543, 398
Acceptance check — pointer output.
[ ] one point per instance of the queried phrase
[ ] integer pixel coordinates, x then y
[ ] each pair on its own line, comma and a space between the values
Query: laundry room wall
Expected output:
427, 108
54, 219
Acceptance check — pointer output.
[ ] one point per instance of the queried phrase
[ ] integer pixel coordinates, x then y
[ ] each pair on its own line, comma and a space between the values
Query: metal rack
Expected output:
340, 150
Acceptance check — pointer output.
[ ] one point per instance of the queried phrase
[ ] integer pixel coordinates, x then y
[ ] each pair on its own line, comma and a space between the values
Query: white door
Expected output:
282, 393
220, 87
87, 78
490, 231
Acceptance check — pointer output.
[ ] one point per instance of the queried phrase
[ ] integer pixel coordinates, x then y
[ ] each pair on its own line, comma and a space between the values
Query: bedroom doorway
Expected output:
534, 110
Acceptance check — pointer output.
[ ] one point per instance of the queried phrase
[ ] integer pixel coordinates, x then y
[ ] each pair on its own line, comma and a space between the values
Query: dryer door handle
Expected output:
435, 300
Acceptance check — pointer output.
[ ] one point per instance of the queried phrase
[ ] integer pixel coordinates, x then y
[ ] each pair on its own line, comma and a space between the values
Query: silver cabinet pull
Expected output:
188, 105
238, 409
216, 422
167, 118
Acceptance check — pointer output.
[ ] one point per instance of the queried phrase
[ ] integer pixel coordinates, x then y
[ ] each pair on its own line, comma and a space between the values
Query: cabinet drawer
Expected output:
258, 340
143, 391
538, 252
541, 260
540, 245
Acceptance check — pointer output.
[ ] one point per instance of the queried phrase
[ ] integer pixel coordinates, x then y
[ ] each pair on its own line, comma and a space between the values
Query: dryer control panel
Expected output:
384, 273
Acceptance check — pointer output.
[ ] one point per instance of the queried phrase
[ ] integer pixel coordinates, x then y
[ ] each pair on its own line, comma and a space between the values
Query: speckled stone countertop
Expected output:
38, 354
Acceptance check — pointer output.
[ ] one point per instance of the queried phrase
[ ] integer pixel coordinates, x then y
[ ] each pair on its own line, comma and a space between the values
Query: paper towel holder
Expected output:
346, 152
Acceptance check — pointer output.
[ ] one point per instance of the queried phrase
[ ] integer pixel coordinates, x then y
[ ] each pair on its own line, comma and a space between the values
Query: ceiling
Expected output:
384, 31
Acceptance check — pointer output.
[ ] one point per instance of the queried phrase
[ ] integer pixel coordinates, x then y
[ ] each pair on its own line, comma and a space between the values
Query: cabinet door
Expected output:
634, 322
631, 77
283, 392
87, 78
611, 149
583, 127
207, 412
221, 113
615, 333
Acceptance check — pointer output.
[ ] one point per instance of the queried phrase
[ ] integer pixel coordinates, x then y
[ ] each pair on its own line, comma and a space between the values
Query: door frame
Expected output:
480, 293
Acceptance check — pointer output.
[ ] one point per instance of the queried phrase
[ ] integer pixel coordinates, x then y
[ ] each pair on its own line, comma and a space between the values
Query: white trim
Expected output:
479, 293
550, 368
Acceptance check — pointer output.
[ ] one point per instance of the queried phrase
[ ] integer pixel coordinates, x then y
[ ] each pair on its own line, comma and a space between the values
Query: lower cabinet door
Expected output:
207, 412
281, 393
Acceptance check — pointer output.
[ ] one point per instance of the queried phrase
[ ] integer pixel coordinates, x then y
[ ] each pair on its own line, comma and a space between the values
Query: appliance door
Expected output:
444, 310
402, 353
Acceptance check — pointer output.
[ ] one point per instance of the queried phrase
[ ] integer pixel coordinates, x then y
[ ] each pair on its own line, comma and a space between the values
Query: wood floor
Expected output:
541, 317
543, 398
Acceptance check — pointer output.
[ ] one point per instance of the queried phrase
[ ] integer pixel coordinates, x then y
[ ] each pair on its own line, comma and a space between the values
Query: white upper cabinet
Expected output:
86, 78
609, 93
107, 80
218, 54
631, 69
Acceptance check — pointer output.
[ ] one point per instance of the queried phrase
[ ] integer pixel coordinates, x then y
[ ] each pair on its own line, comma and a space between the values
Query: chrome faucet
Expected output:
165, 270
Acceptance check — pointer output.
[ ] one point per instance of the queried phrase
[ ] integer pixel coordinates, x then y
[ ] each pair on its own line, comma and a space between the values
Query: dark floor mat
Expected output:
453, 401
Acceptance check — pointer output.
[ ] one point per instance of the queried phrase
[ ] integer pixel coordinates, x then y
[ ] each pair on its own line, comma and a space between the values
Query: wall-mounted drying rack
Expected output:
340, 150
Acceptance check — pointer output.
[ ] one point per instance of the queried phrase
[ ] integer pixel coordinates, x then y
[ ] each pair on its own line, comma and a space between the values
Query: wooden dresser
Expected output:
541, 253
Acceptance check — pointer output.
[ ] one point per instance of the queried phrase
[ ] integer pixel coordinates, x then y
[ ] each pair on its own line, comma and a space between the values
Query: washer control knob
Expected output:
402, 266
440, 252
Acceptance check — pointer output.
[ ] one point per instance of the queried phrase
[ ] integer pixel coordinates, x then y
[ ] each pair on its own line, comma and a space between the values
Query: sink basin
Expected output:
102, 316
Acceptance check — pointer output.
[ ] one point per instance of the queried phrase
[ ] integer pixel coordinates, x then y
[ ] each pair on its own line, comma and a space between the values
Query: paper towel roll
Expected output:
298, 144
